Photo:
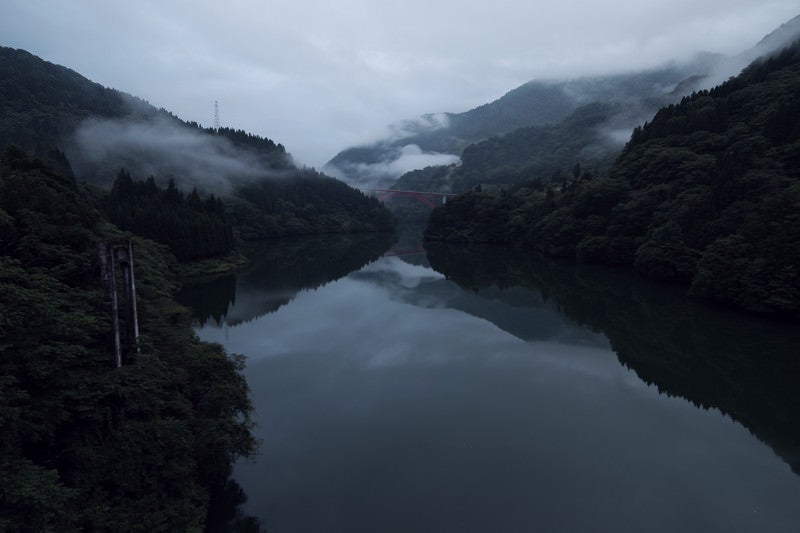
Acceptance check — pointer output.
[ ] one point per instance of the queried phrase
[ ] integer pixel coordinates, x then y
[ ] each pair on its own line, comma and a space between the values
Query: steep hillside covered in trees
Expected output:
195, 189
708, 194
42, 105
306, 204
86, 446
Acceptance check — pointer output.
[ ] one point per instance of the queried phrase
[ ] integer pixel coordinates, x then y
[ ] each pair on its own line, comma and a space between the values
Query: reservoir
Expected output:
483, 389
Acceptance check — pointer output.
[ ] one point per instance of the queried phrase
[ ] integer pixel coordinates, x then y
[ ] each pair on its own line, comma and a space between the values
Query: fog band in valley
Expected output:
166, 149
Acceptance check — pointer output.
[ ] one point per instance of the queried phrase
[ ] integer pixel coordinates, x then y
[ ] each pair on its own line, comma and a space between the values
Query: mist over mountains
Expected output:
161, 146
45, 106
635, 96
123, 144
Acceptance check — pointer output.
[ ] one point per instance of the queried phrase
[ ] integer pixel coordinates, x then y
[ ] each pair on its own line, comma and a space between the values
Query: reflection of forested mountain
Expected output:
746, 368
278, 271
517, 311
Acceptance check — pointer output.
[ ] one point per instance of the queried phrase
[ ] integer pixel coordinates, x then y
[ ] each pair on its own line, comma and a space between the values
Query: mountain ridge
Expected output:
643, 93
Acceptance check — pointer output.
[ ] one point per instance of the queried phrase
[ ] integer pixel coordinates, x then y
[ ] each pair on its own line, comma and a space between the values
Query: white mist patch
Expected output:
618, 136
411, 157
160, 147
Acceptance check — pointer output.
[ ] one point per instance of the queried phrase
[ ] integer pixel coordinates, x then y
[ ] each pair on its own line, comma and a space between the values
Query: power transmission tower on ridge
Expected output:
216, 115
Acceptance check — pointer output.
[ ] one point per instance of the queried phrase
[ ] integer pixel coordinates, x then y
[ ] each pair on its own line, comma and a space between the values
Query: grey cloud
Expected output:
319, 77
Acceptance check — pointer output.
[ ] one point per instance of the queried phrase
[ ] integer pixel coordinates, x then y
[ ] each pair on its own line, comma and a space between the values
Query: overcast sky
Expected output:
319, 76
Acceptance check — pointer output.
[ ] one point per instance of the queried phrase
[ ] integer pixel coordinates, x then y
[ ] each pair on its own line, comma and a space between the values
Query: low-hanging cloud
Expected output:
412, 157
164, 148
385, 173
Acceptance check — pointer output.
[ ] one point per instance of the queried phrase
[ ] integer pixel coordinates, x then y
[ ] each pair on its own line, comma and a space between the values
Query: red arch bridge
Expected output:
428, 198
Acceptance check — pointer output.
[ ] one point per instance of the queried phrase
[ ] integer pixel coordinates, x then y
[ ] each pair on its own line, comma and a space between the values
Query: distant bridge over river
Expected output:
428, 198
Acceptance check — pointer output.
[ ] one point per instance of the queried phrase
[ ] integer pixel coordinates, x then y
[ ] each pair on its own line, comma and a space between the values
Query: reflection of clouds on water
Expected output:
405, 274
376, 318
355, 317
395, 388
394, 313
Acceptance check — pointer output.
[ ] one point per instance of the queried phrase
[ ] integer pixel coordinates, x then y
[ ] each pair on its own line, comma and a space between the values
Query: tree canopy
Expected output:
707, 193
87, 447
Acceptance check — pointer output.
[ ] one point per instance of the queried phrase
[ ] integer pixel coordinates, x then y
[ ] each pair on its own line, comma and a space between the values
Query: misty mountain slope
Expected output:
706, 194
546, 154
45, 106
41, 104
448, 133
416, 144
725, 67
536, 103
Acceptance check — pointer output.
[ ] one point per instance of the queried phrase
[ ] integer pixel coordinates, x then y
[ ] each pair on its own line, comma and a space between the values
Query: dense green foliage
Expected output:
270, 154
41, 103
708, 193
87, 447
192, 227
307, 203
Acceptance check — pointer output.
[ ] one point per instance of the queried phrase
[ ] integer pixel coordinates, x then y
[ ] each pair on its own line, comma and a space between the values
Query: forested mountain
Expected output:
150, 445
550, 151
44, 106
708, 194
192, 227
87, 446
175, 173
536, 103
630, 100
308, 203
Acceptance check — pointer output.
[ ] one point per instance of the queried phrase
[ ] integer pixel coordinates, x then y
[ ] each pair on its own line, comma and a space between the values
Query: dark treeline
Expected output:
87, 447
42, 103
243, 139
707, 193
192, 227
308, 203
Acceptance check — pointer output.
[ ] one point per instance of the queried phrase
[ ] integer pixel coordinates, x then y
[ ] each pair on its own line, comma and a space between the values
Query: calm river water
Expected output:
476, 389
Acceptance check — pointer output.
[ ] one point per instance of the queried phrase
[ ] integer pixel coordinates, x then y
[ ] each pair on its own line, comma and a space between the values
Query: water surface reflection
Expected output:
462, 398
